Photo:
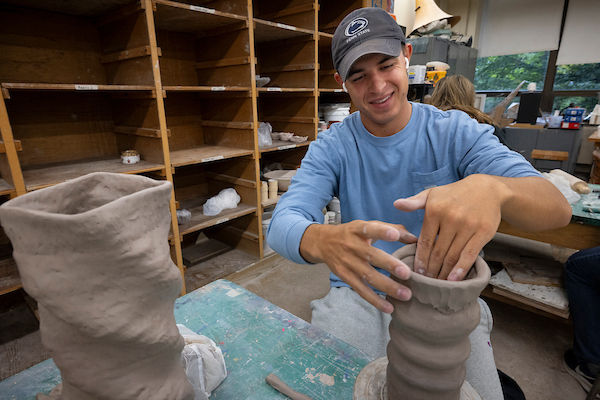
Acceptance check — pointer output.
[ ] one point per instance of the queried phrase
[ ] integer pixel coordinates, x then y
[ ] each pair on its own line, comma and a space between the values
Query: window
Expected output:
577, 77
506, 72
588, 103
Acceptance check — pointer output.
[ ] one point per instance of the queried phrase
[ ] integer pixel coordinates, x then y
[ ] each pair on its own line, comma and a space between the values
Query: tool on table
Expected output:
282, 387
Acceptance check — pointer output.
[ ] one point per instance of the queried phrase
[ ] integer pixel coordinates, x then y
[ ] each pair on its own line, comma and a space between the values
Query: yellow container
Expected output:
434, 76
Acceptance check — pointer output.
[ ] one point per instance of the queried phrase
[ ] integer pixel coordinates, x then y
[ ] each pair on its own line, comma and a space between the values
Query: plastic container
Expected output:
416, 73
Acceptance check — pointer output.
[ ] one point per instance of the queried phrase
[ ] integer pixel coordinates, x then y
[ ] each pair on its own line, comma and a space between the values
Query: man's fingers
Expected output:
381, 259
467, 258
377, 230
439, 251
413, 203
453, 254
425, 244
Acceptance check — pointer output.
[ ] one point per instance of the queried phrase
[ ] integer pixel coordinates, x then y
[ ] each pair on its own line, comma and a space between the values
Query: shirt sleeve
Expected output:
479, 151
313, 186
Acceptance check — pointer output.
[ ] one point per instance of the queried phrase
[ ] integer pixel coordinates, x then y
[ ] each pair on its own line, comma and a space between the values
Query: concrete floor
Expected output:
528, 347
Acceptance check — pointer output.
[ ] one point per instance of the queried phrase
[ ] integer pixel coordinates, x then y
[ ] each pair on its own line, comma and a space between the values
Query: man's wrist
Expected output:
309, 244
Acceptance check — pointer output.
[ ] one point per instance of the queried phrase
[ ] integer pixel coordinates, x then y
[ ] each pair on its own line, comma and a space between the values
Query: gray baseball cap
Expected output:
365, 31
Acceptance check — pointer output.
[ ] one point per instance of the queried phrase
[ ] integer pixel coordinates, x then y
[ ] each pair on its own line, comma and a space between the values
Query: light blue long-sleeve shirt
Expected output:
367, 173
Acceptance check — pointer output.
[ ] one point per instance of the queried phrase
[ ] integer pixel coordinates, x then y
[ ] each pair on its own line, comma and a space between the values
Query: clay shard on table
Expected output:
94, 253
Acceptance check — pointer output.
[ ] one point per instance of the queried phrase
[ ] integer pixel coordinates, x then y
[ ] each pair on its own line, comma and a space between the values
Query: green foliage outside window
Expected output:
506, 72
577, 77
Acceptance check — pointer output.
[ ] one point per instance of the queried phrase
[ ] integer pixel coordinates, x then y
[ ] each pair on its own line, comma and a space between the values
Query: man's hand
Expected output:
347, 250
460, 218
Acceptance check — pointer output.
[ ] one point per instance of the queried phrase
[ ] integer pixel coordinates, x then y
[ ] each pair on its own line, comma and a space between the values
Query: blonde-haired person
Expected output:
456, 92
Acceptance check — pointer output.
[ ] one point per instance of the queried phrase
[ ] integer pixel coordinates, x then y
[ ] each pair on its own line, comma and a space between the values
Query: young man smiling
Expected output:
404, 173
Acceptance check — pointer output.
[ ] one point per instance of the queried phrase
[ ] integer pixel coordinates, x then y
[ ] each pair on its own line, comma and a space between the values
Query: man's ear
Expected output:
338, 79
408, 50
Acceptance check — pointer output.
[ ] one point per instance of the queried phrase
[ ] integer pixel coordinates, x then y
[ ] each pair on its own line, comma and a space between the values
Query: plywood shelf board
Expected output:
37, 178
5, 188
331, 90
204, 154
299, 9
18, 146
207, 88
200, 221
146, 132
88, 8
128, 54
174, 16
283, 145
275, 89
267, 31
270, 202
9, 276
88, 87
288, 68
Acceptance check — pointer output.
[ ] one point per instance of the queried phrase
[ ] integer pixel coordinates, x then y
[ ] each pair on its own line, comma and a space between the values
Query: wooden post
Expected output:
11, 150
162, 120
259, 208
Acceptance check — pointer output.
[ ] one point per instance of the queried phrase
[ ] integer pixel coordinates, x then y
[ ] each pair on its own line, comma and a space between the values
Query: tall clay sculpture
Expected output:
429, 339
93, 252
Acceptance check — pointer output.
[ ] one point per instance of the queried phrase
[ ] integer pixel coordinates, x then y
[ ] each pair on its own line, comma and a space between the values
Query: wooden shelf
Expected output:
332, 90
200, 221
5, 188
207, 88
283, 145
270, 202
179, 17
9, 276
267, 89
84, 8
70, 87
204, 154
267, 31
37, 178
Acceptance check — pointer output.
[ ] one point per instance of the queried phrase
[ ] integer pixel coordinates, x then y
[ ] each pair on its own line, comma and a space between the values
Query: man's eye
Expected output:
357, 78
388, 66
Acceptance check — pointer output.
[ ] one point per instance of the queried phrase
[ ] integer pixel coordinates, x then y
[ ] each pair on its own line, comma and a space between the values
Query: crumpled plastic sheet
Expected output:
227, 198
203, 361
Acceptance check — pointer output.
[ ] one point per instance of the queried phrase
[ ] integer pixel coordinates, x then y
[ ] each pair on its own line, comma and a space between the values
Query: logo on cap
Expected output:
357, 25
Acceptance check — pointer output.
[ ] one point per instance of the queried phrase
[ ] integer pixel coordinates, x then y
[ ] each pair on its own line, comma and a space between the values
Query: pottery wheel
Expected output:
370, 383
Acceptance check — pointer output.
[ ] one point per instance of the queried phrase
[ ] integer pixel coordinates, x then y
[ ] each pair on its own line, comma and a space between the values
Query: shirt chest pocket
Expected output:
425, 180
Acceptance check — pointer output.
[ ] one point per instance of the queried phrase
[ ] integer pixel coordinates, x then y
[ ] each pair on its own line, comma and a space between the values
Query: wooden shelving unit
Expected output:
175, 80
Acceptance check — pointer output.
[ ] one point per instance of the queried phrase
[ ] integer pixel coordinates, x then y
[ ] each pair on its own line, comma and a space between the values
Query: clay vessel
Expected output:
429, 335
94, 253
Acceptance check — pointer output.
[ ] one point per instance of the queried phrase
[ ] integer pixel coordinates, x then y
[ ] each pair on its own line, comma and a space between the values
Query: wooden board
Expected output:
9, 276
267, 31
5, 187
282, 145
181, 17
202, 250
550, 299
42, 177
200, 221
257, 338
536, 271
205, 154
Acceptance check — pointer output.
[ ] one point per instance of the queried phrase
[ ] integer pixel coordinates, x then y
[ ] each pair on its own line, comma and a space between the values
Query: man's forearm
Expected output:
532, 203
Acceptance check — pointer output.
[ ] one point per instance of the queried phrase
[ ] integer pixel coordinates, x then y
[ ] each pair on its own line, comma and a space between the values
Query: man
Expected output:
447, 176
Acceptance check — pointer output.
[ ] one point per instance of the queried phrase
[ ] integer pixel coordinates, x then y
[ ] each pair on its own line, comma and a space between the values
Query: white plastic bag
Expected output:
203, 362
264, 134
564, 186
227, 198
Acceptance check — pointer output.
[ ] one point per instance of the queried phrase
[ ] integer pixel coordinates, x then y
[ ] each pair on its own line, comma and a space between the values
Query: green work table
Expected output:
257, 338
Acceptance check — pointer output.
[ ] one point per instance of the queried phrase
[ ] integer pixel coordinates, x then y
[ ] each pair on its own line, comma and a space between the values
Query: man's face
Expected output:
378, 84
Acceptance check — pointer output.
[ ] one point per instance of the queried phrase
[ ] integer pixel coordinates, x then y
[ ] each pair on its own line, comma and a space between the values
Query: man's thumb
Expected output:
413, 203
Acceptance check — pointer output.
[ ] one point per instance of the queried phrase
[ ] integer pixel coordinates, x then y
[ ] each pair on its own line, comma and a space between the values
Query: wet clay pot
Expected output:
429, 335
94, 253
